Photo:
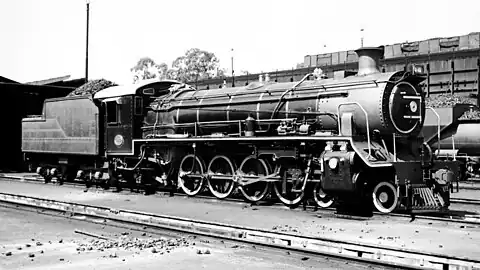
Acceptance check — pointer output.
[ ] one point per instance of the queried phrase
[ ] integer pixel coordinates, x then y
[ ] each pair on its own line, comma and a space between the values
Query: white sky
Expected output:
46, 38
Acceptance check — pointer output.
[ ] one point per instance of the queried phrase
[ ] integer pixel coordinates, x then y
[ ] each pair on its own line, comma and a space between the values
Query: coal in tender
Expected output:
91, 87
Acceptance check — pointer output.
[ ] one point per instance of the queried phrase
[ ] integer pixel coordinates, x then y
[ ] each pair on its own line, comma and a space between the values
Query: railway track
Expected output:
346, 250
121, 240
331, 211
465, 201
470, 184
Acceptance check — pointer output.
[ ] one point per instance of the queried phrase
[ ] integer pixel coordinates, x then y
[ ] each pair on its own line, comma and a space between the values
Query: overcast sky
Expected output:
46, 38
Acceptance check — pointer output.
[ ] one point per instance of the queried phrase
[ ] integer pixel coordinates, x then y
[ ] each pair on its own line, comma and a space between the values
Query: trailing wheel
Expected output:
385, 197
191, 174
254, 167
289, 192
321, 198
221, 171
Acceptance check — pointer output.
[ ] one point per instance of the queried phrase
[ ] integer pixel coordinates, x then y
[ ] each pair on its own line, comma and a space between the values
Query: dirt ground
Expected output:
35, 241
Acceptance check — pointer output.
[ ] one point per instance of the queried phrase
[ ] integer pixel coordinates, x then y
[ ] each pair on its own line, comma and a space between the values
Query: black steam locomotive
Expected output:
353, 139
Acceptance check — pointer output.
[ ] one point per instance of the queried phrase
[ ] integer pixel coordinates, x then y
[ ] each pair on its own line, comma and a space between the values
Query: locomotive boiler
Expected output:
350, 138
392, 102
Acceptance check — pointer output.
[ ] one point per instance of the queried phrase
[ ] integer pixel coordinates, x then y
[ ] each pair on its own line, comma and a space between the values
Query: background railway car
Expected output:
459, 137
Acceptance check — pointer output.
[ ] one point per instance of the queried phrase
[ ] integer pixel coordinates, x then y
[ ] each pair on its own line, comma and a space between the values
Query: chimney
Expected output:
368, 60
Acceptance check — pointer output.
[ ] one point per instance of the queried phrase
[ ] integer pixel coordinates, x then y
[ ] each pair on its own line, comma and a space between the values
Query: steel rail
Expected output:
348, 250
467, 219
465, 201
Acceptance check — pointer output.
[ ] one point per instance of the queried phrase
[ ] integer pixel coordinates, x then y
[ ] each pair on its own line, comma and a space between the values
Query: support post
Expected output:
86, 49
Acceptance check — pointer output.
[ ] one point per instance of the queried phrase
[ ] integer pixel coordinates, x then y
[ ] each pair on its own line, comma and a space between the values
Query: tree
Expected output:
220, 73
195, 65
146, 68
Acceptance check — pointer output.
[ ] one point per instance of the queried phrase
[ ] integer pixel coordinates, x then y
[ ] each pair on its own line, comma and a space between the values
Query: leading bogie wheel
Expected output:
385, 197
322, 199
191, 174
254, 167
221, 171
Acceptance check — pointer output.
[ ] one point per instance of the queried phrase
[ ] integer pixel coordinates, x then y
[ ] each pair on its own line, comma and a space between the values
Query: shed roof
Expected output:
50, 81
131, 89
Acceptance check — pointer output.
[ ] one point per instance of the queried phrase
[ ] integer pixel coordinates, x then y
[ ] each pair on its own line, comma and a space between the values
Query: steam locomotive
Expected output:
352, 139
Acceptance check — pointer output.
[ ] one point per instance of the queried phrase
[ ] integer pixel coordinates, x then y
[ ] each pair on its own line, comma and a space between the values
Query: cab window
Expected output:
112, 109
138, 106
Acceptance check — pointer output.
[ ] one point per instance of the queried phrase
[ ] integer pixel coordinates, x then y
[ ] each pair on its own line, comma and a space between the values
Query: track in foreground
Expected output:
51, 240
351, 251
453, 216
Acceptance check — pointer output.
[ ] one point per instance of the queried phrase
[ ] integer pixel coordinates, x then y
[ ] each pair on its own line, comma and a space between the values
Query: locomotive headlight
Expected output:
413, 106
333, 163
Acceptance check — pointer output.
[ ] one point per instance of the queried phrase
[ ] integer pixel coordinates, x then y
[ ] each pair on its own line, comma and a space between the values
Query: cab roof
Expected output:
133, 89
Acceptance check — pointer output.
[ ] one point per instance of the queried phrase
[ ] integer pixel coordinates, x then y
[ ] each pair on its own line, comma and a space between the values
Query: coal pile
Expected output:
471, 115
154, 245
449, 100
91, 87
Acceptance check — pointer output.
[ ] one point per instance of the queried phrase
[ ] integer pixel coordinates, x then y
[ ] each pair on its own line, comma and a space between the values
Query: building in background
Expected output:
22, 99
452, 64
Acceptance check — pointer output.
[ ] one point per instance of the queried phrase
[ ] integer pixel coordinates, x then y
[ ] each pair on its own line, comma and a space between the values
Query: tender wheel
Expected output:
290, 198
191, 174
221, 171
385, 197
252, 166
321, 198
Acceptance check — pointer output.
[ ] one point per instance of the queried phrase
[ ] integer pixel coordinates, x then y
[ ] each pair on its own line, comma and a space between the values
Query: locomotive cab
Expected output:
125, 107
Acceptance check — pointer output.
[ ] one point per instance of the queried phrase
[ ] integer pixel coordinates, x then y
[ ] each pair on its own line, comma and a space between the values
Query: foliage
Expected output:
91, 87
196, 65
146, 68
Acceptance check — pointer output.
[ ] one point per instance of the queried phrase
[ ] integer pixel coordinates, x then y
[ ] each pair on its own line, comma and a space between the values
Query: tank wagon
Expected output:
459, 138
350, 139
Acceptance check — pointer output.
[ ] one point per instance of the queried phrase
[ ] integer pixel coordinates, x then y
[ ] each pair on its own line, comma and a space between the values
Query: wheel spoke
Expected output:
191, 174
285, 191
254, 167
322, 199
220, 181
